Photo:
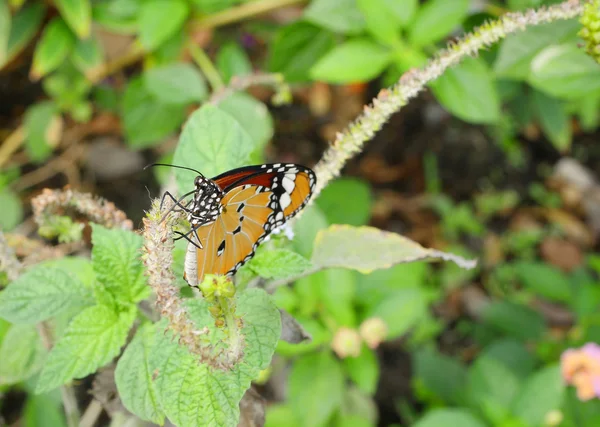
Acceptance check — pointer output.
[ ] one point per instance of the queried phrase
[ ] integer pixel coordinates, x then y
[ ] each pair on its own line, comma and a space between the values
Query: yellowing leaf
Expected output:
367, 248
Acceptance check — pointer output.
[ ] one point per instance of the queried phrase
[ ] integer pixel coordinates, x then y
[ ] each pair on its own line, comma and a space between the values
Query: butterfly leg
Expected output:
184, 208
177, 202
185, 236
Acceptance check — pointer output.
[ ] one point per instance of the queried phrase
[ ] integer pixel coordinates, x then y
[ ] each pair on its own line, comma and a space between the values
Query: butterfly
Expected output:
232, 213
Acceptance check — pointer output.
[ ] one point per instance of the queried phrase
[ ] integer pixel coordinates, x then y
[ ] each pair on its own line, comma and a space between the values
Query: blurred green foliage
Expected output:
539, 76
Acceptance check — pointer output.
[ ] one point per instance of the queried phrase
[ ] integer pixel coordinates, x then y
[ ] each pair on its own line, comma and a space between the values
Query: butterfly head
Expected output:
207, 201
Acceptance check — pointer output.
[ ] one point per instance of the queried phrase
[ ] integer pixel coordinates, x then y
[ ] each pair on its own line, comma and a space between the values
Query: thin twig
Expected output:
229, 16
207, 67
91, 414
8, 261
11, 144
66, 392
239, 83
244, 11
60, 164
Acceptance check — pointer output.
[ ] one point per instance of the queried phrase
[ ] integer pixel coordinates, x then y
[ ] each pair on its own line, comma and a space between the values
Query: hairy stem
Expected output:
390, 101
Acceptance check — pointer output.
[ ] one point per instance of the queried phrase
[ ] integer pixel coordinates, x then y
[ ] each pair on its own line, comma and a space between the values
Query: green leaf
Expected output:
22, 354
381, 21
565, 71
159, 20
232, 60
278, 263
512, 354
118, 16
191, 393
88, 54
376, 286
212, 142
442, 375
147, 120
25, 24
54, 47
92, 339
177, 83
436, 19
449, 417
134, 377
364, 370
316, 381
367, 248
78, 267
116, 261
11, 214
491, 386
306, 228
296, 48
340, 16
515, 320
542, 392
336, 289
358, 409
43, 410
41, 293
5, 30
517, 51
43, 130
341, 209
77, 14
252, 115
468, 91
401, 310
279, 415
545, 280
355, 60
403, 10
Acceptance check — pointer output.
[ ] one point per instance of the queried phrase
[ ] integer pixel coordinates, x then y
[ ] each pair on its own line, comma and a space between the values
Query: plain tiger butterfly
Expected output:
232, 213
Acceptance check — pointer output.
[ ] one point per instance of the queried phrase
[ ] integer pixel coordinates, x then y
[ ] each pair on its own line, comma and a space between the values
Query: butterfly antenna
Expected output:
173, 166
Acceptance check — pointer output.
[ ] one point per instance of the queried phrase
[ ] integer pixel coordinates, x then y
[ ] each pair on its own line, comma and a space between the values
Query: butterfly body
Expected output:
232, 214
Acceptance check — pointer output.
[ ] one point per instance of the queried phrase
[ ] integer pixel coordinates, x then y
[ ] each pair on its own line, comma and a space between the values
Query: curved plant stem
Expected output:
207, 67
11, 144
241, 12
390, 101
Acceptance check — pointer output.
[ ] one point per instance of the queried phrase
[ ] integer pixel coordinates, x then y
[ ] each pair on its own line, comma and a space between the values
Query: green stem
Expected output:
241, 12
207, 67
235, 341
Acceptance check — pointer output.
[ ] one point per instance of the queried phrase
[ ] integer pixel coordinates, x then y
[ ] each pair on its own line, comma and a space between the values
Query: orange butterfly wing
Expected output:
250, 213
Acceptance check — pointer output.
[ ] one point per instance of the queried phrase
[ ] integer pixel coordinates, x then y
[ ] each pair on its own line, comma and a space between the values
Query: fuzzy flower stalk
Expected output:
389, 101
158, 258
57, 202
581, 369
